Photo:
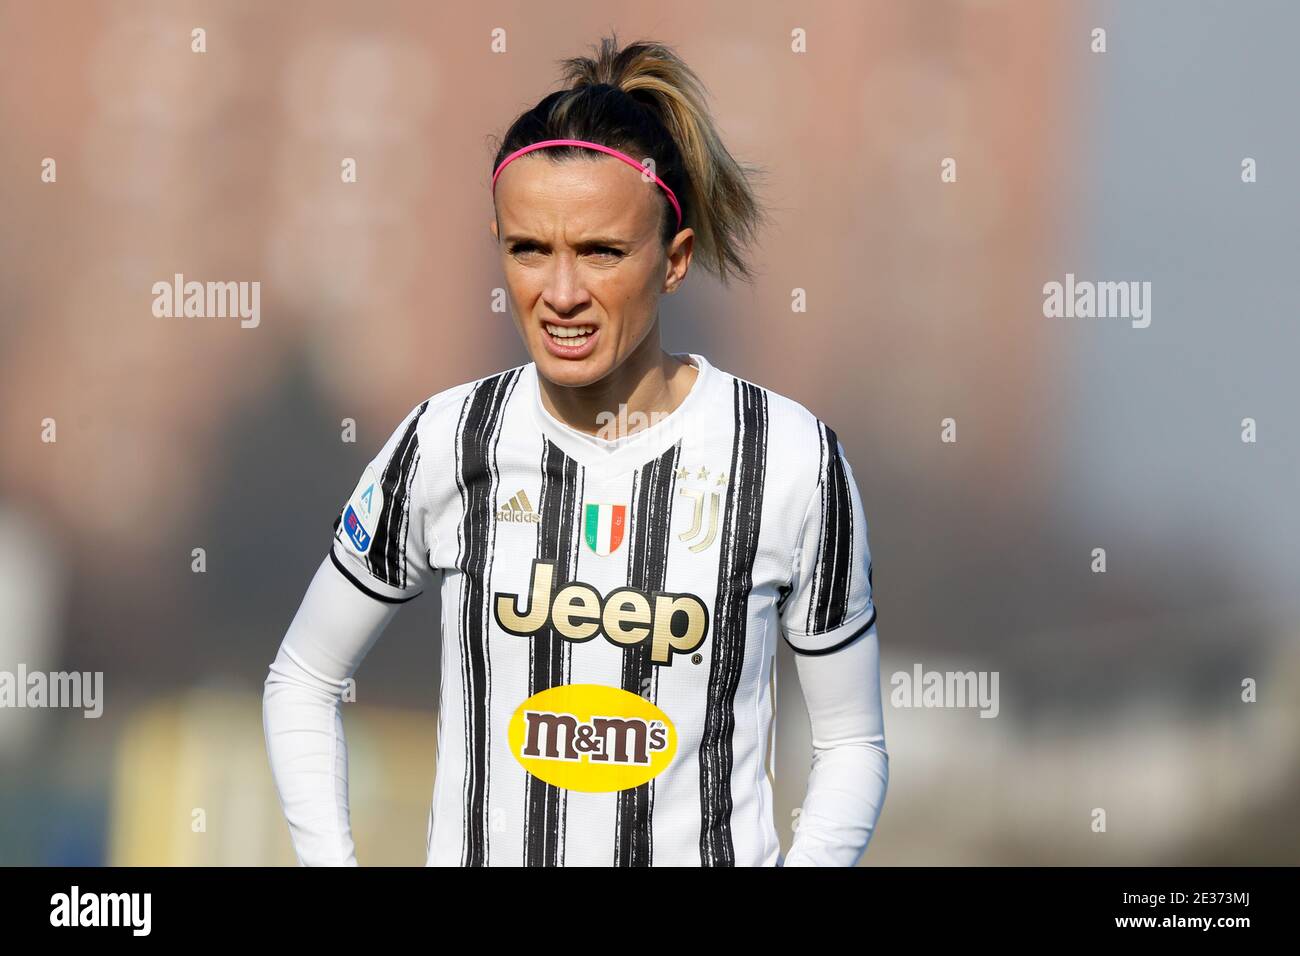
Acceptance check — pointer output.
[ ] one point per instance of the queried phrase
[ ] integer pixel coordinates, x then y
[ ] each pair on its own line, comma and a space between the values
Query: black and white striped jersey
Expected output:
610, 612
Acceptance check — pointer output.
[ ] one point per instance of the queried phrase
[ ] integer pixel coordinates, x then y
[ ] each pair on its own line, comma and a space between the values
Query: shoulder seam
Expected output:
453, 392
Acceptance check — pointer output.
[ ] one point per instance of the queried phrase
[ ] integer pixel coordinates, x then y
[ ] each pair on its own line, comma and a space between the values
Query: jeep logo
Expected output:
673, 623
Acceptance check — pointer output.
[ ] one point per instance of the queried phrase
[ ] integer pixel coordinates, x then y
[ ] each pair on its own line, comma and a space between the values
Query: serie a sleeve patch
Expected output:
361, 516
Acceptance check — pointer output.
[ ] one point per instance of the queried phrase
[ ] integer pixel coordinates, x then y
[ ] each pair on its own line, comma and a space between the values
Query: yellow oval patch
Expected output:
592, 738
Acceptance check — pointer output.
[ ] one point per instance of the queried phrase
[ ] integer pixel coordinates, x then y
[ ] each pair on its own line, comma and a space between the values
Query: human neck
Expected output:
649, 381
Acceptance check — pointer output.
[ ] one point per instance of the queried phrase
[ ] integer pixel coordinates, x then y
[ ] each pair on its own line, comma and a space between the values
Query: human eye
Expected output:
521, 247
608, 253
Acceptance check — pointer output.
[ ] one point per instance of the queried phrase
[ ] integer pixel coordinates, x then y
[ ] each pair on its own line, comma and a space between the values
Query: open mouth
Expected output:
569, 336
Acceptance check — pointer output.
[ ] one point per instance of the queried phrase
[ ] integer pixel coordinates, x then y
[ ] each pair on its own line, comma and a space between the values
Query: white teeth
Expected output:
570, 331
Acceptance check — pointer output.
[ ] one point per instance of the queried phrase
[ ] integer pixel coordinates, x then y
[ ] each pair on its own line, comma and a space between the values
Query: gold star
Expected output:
683, 473
704, 472
722, 478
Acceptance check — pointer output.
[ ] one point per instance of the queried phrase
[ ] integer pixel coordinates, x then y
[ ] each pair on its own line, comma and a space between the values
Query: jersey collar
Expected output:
606, 456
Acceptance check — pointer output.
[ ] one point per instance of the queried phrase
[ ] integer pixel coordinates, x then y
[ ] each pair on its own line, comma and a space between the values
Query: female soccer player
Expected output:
611, 596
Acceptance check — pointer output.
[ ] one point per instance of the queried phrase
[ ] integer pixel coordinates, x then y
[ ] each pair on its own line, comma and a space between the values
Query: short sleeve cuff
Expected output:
830, 641
348, 565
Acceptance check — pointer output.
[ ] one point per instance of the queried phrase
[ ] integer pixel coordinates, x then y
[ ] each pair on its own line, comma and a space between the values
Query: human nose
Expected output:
564, 289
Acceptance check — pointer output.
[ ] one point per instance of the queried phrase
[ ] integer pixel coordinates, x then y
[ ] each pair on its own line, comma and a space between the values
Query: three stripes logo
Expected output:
518, 509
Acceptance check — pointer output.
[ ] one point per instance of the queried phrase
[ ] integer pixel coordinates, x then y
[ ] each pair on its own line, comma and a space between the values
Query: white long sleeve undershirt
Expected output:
335, 627
850, 766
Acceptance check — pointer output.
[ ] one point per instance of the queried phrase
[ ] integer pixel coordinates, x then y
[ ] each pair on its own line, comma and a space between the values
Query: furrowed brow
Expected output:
583, 244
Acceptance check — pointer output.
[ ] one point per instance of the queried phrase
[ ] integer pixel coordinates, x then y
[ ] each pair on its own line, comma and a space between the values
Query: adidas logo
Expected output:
518, 509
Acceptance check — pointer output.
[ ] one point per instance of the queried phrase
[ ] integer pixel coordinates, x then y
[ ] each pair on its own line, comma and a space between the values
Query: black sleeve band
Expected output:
365, 590
844, 643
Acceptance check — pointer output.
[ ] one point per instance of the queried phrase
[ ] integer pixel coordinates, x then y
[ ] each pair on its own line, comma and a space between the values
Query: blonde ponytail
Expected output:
644, 100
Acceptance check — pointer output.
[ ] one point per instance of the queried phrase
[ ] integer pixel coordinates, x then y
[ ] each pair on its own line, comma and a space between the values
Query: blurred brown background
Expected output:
1119, 690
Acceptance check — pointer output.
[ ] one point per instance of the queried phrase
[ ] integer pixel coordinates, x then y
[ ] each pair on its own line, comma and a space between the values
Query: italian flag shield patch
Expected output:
603, 527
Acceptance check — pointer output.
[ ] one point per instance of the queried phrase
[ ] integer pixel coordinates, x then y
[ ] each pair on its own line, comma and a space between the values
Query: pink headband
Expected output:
604, 149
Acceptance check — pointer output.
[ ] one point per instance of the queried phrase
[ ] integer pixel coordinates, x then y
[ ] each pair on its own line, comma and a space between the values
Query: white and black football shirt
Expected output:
610, 612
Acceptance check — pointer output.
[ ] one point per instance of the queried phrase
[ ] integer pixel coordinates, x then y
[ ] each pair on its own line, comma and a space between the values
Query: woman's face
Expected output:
580, 246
